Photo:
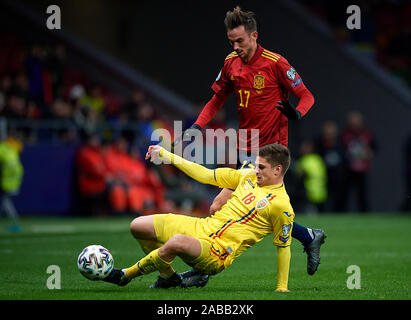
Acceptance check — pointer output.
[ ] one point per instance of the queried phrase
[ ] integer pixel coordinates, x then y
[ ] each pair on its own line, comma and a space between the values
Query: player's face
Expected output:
266, 174
243, 43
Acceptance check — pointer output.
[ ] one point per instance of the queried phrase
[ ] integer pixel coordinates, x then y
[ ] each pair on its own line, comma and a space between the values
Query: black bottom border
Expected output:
204, 309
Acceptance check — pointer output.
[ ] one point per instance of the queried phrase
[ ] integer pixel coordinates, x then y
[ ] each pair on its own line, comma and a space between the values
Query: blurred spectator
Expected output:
133, 188
311, 168
15, 106
330, 148
39, 83
359, 146
75, 93
62, 110
5, 83
88, 107
130, 110
33, 112
91, 176
115, 158
145, 184
113, 103
145, 117
93, 99
148, 121
56, 64
85, 118
21, 85
11, 176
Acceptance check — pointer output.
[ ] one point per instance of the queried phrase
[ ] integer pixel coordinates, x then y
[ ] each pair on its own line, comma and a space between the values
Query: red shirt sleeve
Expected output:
210, 109
293, 83
222, 88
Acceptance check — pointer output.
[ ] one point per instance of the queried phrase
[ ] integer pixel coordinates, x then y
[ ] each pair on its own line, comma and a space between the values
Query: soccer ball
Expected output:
95, 262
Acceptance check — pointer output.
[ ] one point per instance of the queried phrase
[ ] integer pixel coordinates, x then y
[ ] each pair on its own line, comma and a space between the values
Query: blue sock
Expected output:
302, 234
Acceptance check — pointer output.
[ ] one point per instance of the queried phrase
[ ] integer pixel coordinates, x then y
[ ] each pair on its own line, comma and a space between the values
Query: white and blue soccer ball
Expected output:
95, 262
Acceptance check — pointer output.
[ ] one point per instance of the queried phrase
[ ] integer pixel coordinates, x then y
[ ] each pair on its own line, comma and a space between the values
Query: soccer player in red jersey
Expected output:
262, 82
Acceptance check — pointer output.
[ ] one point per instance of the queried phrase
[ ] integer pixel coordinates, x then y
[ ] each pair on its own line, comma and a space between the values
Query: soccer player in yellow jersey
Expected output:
259, 206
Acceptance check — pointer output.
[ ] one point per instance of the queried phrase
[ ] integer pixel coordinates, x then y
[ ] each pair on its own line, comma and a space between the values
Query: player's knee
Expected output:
138, 227
134, 227
177, 243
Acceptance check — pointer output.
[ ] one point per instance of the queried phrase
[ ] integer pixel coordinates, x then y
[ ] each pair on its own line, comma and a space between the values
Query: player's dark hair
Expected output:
237, 17
276, 154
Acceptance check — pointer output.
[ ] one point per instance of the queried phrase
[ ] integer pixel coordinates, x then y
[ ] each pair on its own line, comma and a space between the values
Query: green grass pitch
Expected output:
379, 244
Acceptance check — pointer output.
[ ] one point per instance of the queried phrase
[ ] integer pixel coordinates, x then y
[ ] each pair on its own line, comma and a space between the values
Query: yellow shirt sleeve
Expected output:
230, 178
193, 170
283, 267
282, 217
221, 177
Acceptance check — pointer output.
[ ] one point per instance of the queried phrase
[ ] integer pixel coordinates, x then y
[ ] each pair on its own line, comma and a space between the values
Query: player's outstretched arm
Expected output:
193, 170
283, 268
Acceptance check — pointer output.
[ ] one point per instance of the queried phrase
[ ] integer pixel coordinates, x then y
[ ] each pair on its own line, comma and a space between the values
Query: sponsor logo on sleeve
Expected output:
286, 230
296, 82
291, 73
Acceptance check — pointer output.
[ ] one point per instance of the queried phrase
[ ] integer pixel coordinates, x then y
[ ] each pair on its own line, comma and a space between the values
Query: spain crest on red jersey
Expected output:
259, 81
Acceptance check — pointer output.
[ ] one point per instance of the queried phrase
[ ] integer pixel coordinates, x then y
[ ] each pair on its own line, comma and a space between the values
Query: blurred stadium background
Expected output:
119, 71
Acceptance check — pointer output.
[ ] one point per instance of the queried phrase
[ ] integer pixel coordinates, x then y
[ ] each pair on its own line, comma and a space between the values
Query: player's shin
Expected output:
148, 246
302, 234
150, 263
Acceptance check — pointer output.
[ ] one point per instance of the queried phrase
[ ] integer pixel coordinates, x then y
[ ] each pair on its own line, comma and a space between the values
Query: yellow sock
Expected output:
150, 245
148, 264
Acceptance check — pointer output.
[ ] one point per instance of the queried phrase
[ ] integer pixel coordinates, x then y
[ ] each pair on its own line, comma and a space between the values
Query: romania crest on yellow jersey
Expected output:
262, 203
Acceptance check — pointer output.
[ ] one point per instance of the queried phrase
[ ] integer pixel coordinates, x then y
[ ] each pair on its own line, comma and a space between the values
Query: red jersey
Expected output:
258, 86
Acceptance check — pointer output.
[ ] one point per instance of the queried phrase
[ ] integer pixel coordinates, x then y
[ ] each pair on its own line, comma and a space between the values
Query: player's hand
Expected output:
282, 290
190, 132
153, 153
288, 110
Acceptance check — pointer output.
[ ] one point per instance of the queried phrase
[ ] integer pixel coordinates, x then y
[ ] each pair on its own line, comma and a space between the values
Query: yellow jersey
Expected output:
251, 214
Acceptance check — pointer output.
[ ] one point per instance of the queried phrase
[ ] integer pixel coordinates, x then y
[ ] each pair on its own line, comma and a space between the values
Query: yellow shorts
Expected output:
167, 225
